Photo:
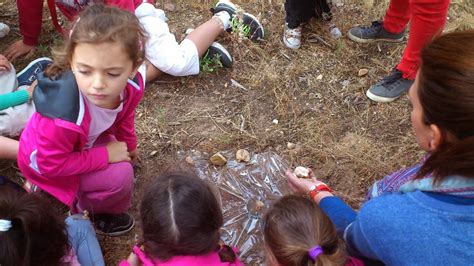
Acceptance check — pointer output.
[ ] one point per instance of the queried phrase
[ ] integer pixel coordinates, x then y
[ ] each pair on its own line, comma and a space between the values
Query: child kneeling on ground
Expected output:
79, 144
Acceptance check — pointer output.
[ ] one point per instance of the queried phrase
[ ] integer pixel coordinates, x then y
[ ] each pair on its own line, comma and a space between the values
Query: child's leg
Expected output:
397, 16
298, 11
108, 190
84, 241
163, 51
201, 38
427, 20
9, 148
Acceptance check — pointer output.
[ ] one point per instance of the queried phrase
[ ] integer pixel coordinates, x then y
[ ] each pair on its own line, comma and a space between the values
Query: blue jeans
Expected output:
84, 241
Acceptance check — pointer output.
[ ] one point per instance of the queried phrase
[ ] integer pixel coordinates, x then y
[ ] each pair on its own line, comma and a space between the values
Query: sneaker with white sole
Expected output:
113, 224
216, 49
29, 74
374, 32
292, 37
256, 31
390, 87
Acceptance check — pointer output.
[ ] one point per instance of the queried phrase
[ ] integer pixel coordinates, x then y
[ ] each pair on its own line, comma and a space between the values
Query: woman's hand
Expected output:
305, 185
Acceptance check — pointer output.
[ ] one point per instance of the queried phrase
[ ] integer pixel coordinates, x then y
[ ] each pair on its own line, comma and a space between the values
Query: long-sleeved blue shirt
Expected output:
417, 228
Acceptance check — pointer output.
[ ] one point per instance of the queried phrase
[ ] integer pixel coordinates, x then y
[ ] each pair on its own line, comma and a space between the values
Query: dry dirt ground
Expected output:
315, 93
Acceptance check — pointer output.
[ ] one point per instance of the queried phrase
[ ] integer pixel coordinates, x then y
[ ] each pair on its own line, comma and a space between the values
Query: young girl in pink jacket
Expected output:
181, 220
79, 144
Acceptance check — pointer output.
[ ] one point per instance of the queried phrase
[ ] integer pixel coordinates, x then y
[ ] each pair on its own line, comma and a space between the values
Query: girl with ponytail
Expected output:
423, 215
297, 232
181, 219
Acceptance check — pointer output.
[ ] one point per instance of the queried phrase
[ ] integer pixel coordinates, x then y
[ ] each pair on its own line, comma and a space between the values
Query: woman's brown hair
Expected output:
36, 237
446, 93
100, 24
181, 217
294, 225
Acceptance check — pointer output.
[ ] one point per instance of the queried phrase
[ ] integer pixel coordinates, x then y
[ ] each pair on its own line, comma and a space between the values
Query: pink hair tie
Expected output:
314, 252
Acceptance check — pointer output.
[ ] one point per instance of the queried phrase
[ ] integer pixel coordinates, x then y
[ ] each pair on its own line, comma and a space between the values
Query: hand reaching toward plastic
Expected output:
19, 48
117, 151
305, 185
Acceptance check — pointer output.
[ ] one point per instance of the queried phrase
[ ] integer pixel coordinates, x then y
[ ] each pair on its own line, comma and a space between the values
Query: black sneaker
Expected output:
217, 49
255, 32
373, 33
113, 224
389, 88
30, 72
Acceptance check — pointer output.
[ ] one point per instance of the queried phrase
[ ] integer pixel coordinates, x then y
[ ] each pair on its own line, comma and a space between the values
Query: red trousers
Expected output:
427, 17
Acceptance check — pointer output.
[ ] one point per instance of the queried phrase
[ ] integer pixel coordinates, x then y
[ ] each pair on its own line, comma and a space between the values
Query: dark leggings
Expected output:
300, 11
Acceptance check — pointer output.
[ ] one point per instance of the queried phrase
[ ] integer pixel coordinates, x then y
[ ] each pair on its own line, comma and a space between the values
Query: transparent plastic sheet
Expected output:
242, 188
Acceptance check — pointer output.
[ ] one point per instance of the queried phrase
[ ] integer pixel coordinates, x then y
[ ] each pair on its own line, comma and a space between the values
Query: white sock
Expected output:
225, 18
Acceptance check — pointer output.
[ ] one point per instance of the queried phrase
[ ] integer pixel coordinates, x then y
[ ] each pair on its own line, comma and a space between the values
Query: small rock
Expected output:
242, 156
169, 7
153, 153
363, 72
189, 160
290, 146
259, 205
301, 172
218, 159
275, 121
320, 77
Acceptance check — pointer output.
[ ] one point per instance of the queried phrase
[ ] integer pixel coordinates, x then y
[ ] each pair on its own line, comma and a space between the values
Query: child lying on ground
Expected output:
15, 92
163, 53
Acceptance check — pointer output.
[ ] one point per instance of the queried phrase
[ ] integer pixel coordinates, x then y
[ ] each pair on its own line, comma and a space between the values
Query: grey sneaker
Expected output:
373, 33
389, 88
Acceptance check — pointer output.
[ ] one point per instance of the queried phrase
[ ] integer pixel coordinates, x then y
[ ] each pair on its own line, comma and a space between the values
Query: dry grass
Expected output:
347, 139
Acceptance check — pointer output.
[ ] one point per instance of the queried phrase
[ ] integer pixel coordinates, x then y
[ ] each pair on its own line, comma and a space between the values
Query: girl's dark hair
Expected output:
100, 24
294, 225
181, 216
36, 237
446, 93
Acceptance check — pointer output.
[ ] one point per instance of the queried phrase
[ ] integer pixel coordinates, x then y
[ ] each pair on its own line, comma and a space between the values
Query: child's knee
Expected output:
122, 179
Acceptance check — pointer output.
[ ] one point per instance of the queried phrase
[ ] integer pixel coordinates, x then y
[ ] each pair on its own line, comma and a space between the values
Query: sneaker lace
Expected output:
296, 32
376, 25
393, 77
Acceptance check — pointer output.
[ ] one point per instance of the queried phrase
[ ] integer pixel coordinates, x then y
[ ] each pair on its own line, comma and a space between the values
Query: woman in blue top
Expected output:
427, 218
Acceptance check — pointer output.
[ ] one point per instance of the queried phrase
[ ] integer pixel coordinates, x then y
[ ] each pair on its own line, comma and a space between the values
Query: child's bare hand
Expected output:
134, 156
117, 151
4, 63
